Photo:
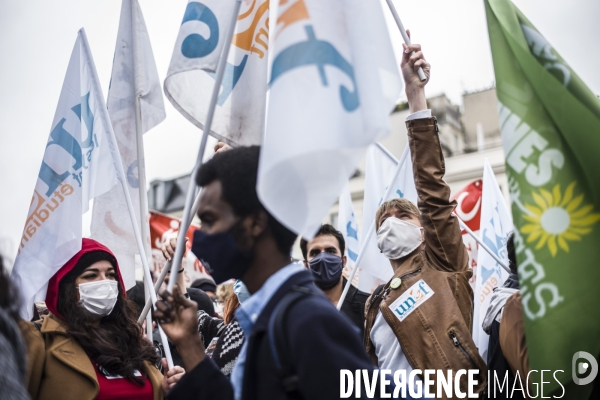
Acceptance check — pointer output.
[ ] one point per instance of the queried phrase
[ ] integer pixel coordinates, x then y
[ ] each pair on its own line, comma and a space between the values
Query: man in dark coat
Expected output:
324, 257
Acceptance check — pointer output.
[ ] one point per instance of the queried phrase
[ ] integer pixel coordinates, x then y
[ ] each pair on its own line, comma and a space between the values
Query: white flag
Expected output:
134, 75
77, 166
240, 113
347, 225
334, 81
380, 170
496, 225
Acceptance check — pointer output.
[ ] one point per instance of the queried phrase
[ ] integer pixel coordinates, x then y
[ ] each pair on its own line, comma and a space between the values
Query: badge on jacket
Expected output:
410, 300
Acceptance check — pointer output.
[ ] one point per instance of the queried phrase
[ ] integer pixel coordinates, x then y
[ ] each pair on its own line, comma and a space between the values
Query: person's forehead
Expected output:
322, 242
211, 198
102, 264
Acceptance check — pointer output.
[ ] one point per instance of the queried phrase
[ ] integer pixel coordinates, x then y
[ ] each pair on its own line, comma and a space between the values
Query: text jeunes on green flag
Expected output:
550, 123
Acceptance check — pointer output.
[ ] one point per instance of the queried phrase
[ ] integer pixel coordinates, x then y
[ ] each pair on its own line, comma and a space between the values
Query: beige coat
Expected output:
58, 368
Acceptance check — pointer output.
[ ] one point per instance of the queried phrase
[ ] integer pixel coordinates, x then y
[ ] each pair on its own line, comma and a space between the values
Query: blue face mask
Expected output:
241, 291
326, 269
221, 255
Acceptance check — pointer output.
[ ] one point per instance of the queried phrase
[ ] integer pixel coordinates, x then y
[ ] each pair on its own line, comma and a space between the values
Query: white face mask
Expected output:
397, 238
99, 297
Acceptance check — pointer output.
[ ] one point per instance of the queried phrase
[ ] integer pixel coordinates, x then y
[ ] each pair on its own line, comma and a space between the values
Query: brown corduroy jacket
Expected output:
436, 333
58, 368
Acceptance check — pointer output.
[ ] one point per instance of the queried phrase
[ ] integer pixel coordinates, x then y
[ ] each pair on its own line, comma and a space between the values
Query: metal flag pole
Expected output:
118, 163
180, 249
420, 72
363, 247
167, 267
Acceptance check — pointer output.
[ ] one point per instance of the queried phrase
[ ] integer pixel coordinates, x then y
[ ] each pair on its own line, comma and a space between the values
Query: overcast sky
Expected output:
37, 36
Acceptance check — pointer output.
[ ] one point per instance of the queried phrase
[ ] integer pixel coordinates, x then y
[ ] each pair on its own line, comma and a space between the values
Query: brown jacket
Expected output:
436, 334
58, 368
512, 335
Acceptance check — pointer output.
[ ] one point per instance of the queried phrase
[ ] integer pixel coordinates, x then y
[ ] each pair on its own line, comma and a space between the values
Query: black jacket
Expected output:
321, 340
354, 306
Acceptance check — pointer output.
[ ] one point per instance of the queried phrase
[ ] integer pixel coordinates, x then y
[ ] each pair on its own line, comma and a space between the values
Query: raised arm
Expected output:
443, 236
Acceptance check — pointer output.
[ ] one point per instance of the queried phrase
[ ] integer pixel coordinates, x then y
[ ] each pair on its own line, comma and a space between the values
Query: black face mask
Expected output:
326, 269
221, 255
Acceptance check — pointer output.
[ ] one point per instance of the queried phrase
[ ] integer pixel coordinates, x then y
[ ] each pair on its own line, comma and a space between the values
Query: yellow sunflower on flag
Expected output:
556, 219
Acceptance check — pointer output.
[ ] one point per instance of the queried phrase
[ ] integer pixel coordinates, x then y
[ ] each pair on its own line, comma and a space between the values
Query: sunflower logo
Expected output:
557, 219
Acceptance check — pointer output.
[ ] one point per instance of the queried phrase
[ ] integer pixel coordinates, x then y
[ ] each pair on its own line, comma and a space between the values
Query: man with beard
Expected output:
324, 256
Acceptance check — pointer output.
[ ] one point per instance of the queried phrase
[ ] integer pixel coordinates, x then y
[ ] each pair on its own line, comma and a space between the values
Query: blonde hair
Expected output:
224, 292
396, 204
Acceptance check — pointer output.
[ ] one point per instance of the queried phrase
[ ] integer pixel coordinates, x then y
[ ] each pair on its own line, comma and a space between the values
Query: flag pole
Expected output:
187, 215
420, 72
141, 164
167, 266
118, 163
387, 152
371, 230
483, 245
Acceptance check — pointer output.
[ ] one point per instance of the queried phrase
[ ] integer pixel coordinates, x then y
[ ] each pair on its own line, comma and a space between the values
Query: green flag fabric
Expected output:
550, 124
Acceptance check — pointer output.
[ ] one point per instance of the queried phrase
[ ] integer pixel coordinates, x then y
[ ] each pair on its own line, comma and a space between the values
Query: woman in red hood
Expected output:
90, 346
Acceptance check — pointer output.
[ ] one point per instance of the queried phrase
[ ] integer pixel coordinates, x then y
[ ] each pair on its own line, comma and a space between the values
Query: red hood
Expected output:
87, 246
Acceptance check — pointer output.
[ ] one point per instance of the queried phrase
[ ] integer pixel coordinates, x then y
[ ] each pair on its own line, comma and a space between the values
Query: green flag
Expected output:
550, 123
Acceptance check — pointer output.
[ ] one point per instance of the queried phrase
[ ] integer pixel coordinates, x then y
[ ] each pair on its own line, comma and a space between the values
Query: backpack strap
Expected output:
278, 341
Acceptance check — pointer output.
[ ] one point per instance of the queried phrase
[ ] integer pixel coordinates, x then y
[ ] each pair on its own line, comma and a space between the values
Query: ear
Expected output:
305, 264
259, 223
344, 259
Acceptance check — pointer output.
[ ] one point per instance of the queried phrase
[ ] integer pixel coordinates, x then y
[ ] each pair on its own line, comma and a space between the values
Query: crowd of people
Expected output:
272, 332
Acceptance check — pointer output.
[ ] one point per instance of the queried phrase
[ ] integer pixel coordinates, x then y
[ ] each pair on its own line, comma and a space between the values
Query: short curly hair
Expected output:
237, 170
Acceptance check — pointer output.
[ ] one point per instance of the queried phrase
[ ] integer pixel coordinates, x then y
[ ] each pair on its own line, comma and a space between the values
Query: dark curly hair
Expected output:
325, 229
237, 170
117, 343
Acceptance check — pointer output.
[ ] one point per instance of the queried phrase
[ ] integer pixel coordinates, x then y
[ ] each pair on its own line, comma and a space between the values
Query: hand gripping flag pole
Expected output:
420, 72
189, 200
167, 266
123, 180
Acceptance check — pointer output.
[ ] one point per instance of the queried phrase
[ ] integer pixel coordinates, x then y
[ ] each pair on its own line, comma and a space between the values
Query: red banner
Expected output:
469, 210
162, 227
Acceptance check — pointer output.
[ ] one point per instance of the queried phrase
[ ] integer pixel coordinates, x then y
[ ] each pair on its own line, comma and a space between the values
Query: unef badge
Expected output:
410, 300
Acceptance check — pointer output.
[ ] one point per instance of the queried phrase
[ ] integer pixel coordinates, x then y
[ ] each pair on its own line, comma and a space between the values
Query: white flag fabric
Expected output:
240, 113
496, 225
77, 166
334, 81
134, 75
349, 228
379, 172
